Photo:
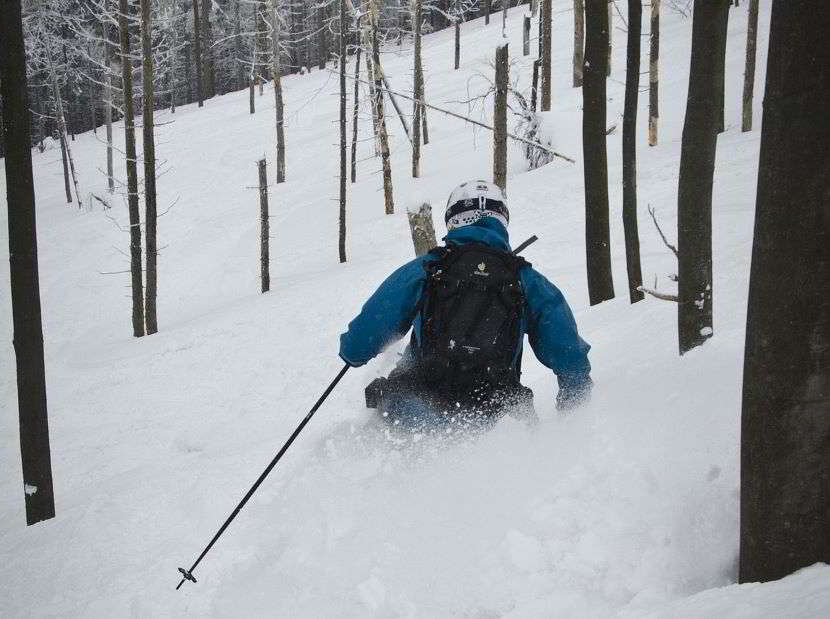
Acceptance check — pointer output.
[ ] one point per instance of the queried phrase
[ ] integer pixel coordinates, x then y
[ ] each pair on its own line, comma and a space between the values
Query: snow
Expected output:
627, 506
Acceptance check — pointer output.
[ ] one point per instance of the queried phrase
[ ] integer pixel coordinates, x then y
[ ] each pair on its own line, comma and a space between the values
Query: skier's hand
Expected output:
573, 394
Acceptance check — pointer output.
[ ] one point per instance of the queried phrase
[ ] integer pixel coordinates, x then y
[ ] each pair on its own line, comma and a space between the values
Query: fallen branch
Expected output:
470, 120
658, 295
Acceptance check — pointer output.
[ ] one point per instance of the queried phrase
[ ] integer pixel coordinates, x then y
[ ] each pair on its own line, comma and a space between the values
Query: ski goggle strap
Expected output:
480, 204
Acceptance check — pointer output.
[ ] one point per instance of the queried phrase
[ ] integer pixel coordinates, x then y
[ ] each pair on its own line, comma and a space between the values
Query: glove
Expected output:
573, 393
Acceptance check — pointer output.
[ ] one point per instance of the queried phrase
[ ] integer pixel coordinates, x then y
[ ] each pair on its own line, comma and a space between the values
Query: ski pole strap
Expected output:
188, 574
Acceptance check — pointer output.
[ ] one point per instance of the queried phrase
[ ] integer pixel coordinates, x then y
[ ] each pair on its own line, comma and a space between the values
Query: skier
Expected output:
471, 302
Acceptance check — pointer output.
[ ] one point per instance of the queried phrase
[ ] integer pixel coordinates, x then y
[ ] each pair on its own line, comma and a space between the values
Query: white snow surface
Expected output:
628, 506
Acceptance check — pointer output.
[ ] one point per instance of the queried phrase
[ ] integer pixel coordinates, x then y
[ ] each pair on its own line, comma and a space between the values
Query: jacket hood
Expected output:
487, 230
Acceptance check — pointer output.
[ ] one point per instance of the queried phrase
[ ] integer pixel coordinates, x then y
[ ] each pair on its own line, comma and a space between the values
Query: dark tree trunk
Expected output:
197, 51
324, 40
188, 71
416, 119
597, 235
237, 42
208, 61
487, 9
654, 73
629, 147
457, 42
785, 429
279, 108
749, 73
697, 168
132, 173
545, 16
108, 105
343, 160
721, 93
526, 36
579, 42
355, 111
377, 70
149, 148
264, 229
23, 267
65, 161
500, 118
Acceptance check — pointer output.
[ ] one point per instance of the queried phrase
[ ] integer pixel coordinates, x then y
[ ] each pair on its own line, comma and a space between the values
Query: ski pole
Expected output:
188, 574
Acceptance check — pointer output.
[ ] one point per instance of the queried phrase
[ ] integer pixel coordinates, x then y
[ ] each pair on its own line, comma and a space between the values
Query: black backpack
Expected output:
471, 316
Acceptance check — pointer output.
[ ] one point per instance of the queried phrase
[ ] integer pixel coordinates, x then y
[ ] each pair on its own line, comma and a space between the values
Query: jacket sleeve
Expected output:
553, 335
386, 316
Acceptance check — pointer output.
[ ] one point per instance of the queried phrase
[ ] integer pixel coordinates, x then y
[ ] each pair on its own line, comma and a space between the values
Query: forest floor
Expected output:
626, 507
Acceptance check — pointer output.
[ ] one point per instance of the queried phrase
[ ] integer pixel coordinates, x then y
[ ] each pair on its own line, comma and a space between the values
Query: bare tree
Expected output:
377, 70
132, 173
632, 87
264, 229
149, 148
416, 122
697, 168
356, 110
749, 73
108, 104
545, 17
279, 108
654, 73
785, 426
597, 234
23, 267
342, 222
579, 41
500, 118
197, 51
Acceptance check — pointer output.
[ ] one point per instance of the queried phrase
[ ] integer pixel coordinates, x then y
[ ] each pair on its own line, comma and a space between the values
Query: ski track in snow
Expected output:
628, 505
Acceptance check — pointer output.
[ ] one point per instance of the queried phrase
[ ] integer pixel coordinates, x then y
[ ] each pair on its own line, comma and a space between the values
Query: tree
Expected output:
149, 148
197, 51
500, 117
23, 267
132, 173
597, 233
279, 108
632, 87
654, 73
416, 121
579, 41
377, 71
697, 168
785, 427
545, 16
342, 217
749, 73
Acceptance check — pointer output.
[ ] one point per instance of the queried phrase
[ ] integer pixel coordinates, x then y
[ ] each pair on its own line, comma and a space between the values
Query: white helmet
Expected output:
473, 200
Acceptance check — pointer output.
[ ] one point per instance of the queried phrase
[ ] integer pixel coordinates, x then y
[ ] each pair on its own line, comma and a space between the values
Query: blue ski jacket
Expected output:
547, 320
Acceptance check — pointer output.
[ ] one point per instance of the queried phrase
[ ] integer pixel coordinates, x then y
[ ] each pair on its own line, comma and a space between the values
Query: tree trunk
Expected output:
251, 98
629, 147
500, 118
457, 43
65, 160
697, 167
597, 235
487, 10
422, 229
188, 71
208, 60
132, 173
526, 36
389, 201
785, 427
240, 72
264, 229
149, 148
355, 112
654, 73
424, 127
23, 266
721, 92
610, 35
534, 89
108, 106
343, 161
749, 73
416, 116
197, 51
579, 41
324, 42
279, 108
545, 16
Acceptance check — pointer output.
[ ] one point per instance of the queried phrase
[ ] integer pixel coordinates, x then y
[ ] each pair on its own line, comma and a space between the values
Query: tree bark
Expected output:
487, 10
416, 117
785, 427
610, 35
197, 51
697, 167
579, 41
654, 73
500, 118
526, 36
422, 229
343, 161
534, 89
595, 156
208, 60
545, 16
749, 73
388, 198
132, 173
457, 42
721, 91
23, 267
108, 106
279, 108
324, 45
629, 147
356, 110
264, 229
149, 149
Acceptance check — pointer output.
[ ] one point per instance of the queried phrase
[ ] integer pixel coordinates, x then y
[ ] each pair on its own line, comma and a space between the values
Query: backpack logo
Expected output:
482, 268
